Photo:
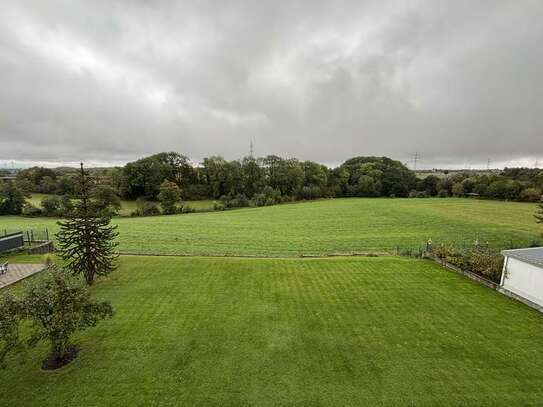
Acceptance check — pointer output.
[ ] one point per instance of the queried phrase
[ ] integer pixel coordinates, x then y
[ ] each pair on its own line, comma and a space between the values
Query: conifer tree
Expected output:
539, 213
86, 240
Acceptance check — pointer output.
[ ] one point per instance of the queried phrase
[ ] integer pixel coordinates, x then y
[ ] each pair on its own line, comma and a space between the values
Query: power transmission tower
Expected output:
488, 164
251, 149
415, 160
536, 163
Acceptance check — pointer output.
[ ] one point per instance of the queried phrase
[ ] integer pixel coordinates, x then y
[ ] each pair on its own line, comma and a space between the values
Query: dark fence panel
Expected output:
11, 241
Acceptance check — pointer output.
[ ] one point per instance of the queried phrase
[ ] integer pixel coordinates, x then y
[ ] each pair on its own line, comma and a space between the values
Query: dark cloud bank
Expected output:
110, 81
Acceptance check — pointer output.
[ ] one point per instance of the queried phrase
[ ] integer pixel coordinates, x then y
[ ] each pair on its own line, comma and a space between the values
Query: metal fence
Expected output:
29, 235
11, 241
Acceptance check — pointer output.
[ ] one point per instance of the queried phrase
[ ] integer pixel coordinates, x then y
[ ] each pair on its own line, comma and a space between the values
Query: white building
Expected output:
523, 273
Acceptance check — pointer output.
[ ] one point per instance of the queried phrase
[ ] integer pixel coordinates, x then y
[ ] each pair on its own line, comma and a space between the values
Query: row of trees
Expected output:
515, 184
268, 180
217, 177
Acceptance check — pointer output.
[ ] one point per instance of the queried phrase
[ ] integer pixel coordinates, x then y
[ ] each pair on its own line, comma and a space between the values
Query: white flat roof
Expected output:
532, 255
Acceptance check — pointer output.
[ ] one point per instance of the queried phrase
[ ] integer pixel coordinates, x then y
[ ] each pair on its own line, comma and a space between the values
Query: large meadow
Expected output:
322, 227
282, 331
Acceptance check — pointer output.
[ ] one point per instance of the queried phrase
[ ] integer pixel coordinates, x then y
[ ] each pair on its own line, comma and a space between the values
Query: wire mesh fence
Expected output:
29, 235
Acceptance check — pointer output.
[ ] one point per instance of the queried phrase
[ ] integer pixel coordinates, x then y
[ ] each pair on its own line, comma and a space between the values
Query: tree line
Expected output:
258, 181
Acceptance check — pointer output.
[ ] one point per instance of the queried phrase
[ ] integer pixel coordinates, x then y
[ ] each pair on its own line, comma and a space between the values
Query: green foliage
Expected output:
10, 341
513, 184
530, 195
56, 306
145, 208
12, 199
86, 240
376, 176
539, 213
478, 259
142, 178
31, 210
106, 199
169, 197
51, 205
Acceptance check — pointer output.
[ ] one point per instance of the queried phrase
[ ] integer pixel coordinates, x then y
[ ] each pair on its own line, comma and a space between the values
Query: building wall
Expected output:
524, 279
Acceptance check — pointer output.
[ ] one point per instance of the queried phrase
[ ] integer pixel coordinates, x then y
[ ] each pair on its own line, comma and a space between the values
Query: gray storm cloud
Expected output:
110, 81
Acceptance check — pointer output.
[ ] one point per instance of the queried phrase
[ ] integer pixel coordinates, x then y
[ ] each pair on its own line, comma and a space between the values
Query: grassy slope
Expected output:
343, 331
127, 207
340, 225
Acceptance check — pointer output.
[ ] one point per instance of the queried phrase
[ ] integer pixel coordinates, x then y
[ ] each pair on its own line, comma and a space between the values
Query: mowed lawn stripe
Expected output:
268, 332
322, 227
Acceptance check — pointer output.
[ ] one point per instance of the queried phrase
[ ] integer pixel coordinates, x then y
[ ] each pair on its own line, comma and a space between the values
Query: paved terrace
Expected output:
18, 272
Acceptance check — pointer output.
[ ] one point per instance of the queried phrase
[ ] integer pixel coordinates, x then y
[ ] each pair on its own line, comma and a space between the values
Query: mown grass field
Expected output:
272, 332
322, 227
127, 207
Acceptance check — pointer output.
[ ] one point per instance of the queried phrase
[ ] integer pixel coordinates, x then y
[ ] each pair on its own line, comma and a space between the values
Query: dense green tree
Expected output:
47, 185
216, 171
530, 195
56, 306
106, 199
315, 178
253, 176
143, 177
429, 185
65, 185
35, 176
12, 199
86, 240
51, 205
169, 197
394, 178
286, 175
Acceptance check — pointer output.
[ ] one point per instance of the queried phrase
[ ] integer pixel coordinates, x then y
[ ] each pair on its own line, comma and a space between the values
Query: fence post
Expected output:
47, 234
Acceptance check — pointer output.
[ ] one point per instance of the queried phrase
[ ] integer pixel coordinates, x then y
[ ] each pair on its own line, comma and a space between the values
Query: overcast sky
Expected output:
459, 82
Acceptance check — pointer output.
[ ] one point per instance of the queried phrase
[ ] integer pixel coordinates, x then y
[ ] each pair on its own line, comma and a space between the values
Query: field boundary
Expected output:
260, 256
490, 284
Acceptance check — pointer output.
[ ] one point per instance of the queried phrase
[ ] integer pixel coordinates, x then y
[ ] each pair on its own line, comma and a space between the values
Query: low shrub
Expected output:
145, 208
530, 195
187, 209
31, 210
478, 259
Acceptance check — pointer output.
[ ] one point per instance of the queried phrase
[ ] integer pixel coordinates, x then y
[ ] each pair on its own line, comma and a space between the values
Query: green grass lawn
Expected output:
326, 226
327, 332
127, 207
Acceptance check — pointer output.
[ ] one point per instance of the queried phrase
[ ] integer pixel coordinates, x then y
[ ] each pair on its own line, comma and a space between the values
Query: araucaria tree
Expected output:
86, 239
55, 307
539, 213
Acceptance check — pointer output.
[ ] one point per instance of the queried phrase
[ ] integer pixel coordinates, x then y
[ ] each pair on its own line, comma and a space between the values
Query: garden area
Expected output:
342, 331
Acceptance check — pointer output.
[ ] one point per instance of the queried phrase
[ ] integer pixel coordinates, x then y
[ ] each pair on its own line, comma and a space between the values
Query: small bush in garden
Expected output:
530, 195
187, 209
477, 259
53, 308
31, 210
51, 205
218, 206
145, 208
